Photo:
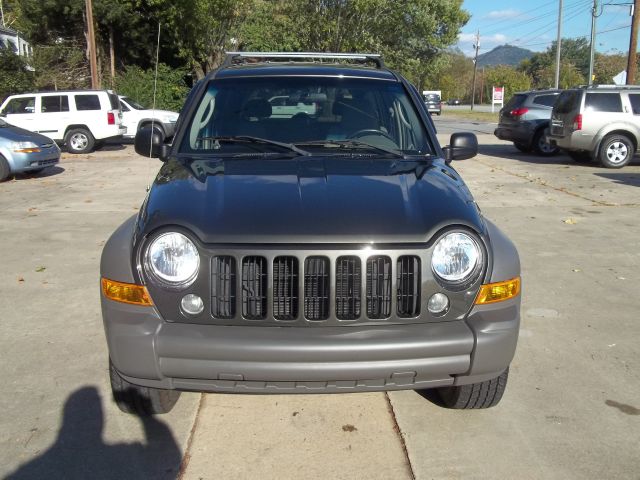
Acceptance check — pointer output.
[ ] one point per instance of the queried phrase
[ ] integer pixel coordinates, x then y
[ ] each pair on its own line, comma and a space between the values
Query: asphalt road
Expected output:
571, 409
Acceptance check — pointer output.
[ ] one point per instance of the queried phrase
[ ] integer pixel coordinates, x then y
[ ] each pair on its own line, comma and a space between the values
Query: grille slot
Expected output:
285, 288
316, 288
223, 287
378, 287
254, 288
348, 288
408, 284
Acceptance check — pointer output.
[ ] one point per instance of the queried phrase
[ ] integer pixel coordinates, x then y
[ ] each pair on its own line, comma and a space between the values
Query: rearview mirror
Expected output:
462, 145
149, 142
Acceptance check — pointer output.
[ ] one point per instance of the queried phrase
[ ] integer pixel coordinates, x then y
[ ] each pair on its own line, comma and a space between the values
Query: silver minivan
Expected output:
598, 122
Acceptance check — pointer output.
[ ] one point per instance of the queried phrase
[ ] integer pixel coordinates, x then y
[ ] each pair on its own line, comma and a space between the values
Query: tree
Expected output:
137, 83
15, 76
574, 60
508, 77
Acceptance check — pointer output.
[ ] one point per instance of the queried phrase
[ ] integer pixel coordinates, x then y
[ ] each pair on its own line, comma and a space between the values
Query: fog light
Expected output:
192, 304
438, 303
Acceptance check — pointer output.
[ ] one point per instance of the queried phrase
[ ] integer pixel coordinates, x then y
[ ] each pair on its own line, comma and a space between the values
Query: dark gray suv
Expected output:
335, 250
525, 117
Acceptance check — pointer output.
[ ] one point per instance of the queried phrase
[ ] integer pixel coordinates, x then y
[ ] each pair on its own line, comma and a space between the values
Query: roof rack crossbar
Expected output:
371, 57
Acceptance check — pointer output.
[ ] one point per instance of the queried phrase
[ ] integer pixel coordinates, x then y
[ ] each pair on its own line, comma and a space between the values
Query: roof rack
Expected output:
235, 58
619, 87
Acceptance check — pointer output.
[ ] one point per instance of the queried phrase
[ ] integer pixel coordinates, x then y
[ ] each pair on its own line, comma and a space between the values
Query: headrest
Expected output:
257, 108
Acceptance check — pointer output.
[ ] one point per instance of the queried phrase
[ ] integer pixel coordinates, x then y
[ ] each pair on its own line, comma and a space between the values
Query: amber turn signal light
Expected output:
498, 292
126, 292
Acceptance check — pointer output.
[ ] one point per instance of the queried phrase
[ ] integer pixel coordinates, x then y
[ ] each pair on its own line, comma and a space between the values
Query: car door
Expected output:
54, 115
21, 112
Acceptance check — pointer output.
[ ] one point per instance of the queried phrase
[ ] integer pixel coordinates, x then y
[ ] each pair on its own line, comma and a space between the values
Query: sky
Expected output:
533, 24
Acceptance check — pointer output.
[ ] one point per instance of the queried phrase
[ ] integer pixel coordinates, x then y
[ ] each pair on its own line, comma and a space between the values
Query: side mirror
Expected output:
462, 145
149, 142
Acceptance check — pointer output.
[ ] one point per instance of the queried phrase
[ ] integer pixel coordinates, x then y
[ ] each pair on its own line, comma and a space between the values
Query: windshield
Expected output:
317, 112
134, 104
432, 98
3, 123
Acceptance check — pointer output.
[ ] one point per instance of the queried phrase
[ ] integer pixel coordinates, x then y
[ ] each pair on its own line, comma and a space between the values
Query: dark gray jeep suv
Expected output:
330, 250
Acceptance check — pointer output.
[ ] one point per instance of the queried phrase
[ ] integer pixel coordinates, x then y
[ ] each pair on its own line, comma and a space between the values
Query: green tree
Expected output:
574, 59
508, 77
15, 76
137, 83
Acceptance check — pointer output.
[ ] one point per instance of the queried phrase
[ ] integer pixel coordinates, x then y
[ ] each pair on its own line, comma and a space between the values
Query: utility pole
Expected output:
633, 44
91, 40
2, 14
594, 15
558, 45
476, 46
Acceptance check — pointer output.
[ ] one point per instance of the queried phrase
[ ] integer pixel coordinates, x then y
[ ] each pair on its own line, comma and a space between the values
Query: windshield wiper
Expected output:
249, 139
355, 144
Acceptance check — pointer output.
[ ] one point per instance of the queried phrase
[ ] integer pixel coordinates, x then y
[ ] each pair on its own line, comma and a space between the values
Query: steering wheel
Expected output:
370, 131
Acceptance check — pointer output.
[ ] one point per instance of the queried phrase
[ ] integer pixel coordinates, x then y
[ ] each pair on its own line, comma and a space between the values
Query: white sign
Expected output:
497, 97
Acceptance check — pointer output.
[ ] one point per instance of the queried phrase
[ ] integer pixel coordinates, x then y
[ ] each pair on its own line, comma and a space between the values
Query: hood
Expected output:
17, 134
310, 200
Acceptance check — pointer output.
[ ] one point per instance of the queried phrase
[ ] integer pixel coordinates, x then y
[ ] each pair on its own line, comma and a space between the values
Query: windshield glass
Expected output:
134, 104
316, 111
3, 123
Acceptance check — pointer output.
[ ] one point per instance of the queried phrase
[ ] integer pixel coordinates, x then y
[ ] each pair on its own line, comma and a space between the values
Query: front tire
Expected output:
5, 169
542, 147
476, 395
79, 140
616, 151
138, 400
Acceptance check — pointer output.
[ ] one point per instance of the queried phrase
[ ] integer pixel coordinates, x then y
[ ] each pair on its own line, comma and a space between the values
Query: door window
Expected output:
54, 103
20, 105
603, 102
87, 102
634, 98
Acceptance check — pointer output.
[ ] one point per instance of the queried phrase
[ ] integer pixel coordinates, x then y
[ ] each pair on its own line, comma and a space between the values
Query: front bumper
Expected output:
148, 351
24, 162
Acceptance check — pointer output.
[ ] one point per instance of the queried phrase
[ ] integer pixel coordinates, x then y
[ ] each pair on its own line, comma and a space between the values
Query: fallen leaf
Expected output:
20, 280
570, 221
577, 270
41, 269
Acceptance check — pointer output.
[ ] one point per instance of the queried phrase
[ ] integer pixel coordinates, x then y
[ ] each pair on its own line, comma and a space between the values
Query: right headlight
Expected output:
173, 260
456, 258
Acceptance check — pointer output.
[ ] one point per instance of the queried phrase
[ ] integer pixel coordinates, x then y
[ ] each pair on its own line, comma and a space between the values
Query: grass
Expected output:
469, 115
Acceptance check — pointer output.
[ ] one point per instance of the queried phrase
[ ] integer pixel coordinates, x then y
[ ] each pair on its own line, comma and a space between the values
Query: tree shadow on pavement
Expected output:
622, 178
80, 453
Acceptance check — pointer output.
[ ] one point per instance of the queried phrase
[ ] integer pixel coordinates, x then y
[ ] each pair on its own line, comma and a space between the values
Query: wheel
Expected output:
142, 401
580, 156
5, 170
79, 140
476, 395
523, 147
616, 151
542, 147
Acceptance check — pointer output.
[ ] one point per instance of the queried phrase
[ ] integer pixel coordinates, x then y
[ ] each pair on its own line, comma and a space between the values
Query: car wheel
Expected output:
5, 169
476, 395
616, 151
79, 140
142, 401
542, 147
580, 156
523, 147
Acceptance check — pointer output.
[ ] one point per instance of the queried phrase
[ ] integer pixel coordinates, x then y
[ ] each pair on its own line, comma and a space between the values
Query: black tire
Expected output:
5, 169
79, 140
616, 151
476, 395
580, 156
141, 401
523, 147
541, 147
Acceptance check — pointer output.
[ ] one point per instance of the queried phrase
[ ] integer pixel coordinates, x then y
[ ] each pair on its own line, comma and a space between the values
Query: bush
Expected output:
14, 75
137, 83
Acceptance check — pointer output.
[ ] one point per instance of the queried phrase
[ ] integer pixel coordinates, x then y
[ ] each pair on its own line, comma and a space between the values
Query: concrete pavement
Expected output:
570, 409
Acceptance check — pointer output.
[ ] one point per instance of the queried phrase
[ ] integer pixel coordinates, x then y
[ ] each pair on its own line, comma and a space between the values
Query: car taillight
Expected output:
518, 112
111, 118
577, 122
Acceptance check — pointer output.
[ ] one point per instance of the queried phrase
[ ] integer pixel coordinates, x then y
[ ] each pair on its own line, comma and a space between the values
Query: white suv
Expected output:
135, 116
81, 119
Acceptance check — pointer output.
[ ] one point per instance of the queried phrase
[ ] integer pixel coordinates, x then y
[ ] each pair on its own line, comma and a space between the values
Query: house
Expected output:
11, 40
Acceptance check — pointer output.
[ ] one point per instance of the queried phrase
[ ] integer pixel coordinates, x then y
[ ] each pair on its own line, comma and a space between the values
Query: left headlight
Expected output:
457, 258
173, 260
25, 147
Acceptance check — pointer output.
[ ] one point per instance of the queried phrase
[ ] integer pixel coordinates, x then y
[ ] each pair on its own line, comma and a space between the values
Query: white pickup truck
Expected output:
135, 116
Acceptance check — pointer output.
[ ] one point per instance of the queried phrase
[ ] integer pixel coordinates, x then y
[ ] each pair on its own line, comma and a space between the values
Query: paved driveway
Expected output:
571, 409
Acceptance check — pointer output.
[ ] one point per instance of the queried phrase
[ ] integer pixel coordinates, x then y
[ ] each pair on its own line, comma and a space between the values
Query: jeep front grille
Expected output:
315, 288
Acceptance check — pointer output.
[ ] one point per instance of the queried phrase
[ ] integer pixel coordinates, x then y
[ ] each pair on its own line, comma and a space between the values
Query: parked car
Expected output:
525, 117
433, 103
598, 122
136, 116
285, 106
454, 101
24, 151
343, 254
79, 119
